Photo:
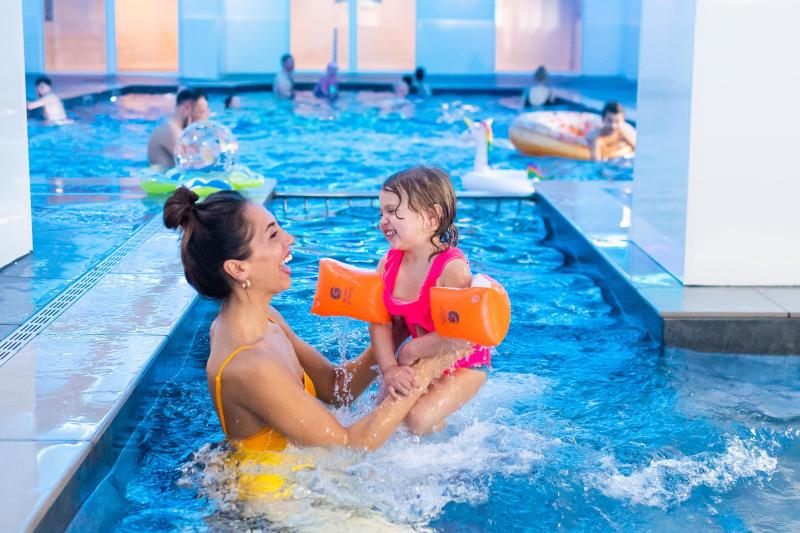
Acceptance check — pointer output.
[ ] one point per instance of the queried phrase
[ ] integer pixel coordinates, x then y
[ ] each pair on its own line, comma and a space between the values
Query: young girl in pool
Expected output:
417, 210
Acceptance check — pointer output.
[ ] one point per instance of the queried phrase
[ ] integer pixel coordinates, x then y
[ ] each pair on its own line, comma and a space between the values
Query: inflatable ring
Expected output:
558, 134
202, 183
479, 314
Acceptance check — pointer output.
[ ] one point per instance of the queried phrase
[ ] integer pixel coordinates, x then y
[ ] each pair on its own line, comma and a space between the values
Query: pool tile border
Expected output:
745, 320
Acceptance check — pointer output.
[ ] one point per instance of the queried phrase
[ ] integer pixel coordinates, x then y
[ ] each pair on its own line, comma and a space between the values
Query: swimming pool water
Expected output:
582, 425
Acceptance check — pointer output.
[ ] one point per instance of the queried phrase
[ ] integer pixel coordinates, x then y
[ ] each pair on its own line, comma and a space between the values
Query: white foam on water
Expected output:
403, 485
670, 481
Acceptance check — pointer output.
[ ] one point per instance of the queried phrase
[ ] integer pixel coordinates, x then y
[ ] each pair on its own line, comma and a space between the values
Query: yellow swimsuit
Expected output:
262, 470
266, 439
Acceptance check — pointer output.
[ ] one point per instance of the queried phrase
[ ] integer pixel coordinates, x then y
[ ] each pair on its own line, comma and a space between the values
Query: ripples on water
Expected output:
581, 425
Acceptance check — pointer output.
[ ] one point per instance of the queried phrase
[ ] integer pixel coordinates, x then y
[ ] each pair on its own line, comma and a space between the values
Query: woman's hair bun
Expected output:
178, 209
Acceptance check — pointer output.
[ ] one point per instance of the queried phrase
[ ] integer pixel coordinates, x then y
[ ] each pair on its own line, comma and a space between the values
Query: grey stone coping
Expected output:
62, 392
716, 319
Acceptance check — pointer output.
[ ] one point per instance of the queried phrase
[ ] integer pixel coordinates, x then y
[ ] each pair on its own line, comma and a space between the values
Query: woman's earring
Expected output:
246, 284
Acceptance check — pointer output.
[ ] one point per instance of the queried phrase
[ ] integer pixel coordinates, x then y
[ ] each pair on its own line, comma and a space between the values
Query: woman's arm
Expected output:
270, 390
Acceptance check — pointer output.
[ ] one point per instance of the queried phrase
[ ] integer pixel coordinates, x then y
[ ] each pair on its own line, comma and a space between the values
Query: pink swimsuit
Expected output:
418, 312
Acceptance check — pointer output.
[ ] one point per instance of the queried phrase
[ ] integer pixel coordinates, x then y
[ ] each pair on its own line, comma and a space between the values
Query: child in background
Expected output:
417, 211
52, 107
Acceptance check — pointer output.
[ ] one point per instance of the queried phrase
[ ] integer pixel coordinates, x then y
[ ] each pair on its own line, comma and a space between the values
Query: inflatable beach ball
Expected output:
206, 145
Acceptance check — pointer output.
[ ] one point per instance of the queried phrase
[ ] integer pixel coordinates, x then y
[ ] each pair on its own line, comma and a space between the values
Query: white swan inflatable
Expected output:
488, 179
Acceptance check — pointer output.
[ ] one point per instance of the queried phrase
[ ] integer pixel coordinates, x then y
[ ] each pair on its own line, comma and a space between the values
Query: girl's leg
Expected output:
444, 398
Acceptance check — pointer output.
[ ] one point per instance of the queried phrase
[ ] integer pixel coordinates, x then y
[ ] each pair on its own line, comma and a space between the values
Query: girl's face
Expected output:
403, 228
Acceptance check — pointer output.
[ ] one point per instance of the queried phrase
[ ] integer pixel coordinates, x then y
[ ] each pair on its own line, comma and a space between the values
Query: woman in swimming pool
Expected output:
266, 382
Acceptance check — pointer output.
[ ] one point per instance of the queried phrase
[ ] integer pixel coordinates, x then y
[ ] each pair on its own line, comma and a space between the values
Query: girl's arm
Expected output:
270, 390
336, 385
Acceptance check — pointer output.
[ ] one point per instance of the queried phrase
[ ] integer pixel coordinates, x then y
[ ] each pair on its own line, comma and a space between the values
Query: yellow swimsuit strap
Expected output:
218, 380
218, 395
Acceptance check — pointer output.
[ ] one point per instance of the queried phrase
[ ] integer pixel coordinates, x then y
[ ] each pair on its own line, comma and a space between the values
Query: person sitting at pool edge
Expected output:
328, 84
420, 87
268, 384
52, 107
539, 93
232, 101
161, 146
283, 86
615, 137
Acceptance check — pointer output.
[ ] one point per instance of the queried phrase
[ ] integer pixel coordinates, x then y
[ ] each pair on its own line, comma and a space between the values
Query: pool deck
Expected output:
590, 92
66, 384
752, 320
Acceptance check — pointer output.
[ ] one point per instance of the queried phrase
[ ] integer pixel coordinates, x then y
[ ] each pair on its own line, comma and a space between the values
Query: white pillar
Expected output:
610, 37
456, 36
16, 238
199, 38
717, 182
256, 35
33, 24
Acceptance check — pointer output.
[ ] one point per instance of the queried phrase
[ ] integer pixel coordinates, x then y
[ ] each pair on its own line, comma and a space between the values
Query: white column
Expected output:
256, 35
16, 237
610, 37
33, 24
456, 36
200, 38
717, 183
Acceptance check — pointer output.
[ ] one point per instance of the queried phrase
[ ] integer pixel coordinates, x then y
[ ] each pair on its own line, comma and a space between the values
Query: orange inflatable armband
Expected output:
344, 290
479, 314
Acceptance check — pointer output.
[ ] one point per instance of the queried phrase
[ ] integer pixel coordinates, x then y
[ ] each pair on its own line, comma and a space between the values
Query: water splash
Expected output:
669, 481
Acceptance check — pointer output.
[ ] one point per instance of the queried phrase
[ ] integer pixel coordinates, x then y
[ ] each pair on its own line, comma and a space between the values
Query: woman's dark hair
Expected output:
212, 232
425, 188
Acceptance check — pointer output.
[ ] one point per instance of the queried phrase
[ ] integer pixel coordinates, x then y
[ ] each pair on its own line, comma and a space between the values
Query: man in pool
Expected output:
200, 109
615, 138
52, 107
161, 147
283, 85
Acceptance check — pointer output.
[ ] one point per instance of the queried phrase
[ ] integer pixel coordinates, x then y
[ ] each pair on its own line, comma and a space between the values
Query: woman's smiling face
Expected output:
270, 251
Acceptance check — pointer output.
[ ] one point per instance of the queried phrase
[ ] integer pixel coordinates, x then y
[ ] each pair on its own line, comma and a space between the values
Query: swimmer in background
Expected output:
417, 211
161, 146
52, 107
419, 87
615, 137
200, 109
538, 94
232, 102
283, 86
328, 84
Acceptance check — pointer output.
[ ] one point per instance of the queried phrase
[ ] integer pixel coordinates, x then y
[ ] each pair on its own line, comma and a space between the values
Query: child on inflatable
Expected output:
417, 210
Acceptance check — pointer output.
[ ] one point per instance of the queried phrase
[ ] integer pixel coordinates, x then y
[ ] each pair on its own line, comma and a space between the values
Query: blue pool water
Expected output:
583, 423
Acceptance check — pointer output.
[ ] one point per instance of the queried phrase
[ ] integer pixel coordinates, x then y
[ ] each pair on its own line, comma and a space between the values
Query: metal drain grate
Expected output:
21, 336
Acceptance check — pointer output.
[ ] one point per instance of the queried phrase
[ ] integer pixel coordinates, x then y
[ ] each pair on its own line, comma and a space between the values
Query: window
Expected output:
529, 33
75, 36
312, 33
146, 42
386, 35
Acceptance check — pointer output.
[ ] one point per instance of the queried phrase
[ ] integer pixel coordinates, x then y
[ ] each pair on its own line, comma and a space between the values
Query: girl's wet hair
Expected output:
425, 188
212, 232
